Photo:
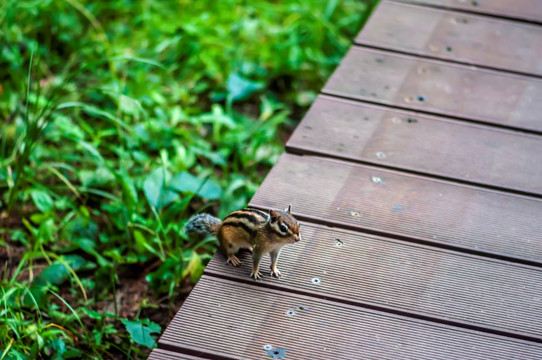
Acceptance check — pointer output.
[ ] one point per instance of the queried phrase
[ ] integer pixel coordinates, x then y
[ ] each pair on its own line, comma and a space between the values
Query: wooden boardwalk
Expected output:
417, 177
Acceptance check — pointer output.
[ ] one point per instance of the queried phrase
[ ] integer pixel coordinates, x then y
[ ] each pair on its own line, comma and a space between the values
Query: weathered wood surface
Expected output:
450, 35
422, 231
529, 10
423, 281
245, 318
442, 88
368, 198
160, 354
419, 143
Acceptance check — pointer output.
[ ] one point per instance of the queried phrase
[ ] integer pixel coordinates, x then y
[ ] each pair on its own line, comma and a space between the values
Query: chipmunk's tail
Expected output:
202, 224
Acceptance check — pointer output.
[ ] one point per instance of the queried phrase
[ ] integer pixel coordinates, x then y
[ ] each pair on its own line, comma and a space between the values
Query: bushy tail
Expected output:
202, 224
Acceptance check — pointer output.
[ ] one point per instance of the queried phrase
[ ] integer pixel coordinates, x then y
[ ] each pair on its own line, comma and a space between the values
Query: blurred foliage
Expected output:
122, 118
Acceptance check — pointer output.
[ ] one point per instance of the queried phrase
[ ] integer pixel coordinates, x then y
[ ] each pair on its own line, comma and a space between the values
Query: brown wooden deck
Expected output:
417, 177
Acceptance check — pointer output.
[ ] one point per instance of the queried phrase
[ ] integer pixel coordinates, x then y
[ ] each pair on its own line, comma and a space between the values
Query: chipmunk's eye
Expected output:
283, 228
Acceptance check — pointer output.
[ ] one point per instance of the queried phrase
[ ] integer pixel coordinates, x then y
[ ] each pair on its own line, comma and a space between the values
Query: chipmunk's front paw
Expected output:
256, 275
232, 259
275, 272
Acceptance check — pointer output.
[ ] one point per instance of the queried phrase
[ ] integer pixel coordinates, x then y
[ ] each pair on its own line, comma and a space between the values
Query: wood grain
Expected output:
419, 143
406, 206
437, 87
365, 270
160, 354
529, 10
246, 318
472, 39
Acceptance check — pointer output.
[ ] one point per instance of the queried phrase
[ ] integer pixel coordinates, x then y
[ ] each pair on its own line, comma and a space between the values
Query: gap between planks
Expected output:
446, 60
383, 309
378, 222
380, 43
296, 144
336, 88
241, 275
493, 14
190, 326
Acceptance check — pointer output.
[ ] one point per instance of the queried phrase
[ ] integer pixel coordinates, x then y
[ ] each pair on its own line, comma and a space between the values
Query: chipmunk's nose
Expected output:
297, 238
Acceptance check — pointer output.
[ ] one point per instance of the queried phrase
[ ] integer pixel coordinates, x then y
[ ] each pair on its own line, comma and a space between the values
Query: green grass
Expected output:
120, 119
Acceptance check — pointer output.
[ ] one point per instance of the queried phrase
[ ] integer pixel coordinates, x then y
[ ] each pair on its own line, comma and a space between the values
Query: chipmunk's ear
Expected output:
288, 209
273, 216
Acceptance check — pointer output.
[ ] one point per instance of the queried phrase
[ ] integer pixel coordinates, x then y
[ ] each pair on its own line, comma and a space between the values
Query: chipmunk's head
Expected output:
284, 225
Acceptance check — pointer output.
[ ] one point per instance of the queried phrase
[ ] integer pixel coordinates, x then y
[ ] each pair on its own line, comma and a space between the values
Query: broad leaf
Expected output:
187, 183
210, 190
141, 331
42, 200
195, 267
155, 188
99, 177
57, 272
240, 88
217, 116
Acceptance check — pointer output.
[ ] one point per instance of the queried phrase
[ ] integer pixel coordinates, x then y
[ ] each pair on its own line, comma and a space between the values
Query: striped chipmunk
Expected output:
251, 229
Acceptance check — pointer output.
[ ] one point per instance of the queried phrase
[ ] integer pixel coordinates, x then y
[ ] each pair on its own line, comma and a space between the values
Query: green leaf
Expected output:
155, 188
93, 110
168, 274
94, 314
240, 88
195, 267
99, 177
81, 228
210, 190
89, 246
141, 331
85, 244
59, 348
57, 273
216, 157
185, 182
216, 117
128, 187
143, 246
176, 209
42, 200
91, 149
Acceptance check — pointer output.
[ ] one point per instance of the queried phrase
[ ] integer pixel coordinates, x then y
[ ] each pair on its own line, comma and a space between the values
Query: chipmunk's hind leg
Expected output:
228, 245
230, 250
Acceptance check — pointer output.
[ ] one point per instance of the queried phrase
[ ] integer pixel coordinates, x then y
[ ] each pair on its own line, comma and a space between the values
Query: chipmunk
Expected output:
251, 229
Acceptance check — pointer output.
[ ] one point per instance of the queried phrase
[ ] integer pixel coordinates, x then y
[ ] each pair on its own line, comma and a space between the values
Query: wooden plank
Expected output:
406, 140
160, 354
437, 87
406, 206
405, 278
230, 320
472, 39
529, 10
